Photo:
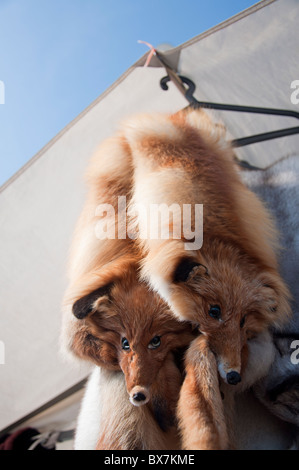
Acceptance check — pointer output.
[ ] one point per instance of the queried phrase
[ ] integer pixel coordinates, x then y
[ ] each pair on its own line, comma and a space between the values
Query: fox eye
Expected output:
125, 344
155, 342
242, 322
215, 312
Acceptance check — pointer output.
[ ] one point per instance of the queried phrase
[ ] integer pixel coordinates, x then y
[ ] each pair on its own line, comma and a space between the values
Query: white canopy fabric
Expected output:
250, 59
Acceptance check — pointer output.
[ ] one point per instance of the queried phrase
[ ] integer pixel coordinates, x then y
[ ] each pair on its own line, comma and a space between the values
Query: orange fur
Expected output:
131, 311
183, 159
180, 159
94, 262
200, 408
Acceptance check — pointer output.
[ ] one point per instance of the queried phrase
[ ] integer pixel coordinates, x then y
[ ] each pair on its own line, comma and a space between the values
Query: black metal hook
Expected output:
189, 91
238, 108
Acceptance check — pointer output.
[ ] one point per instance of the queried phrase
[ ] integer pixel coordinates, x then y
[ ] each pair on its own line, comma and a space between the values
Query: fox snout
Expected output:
138, 378
229, 375
233, 377
231, 365
230, 348
139, 395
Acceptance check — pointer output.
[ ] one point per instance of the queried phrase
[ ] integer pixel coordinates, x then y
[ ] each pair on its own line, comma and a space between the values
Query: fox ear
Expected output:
84, 306
188, 268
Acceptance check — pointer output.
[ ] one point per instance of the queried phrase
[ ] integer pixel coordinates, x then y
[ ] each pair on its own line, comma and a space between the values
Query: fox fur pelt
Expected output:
234, 280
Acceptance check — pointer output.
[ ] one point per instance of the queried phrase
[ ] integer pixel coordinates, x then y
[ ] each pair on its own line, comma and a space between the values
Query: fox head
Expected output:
126, 326
231, 300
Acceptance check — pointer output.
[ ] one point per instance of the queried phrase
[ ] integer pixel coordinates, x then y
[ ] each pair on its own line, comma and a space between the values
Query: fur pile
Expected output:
229, 290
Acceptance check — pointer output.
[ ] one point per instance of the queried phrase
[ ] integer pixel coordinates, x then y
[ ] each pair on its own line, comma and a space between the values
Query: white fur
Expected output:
106, 411
260, 359
161, 286
221, 370
89, 420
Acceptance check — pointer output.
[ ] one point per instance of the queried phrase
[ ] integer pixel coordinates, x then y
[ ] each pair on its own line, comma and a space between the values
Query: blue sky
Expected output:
57, 56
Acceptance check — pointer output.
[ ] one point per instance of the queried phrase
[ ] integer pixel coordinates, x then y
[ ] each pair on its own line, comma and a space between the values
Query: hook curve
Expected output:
188, 92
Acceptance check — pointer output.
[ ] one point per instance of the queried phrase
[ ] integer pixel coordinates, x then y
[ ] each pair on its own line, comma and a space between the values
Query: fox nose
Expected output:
233, 377
139, 396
